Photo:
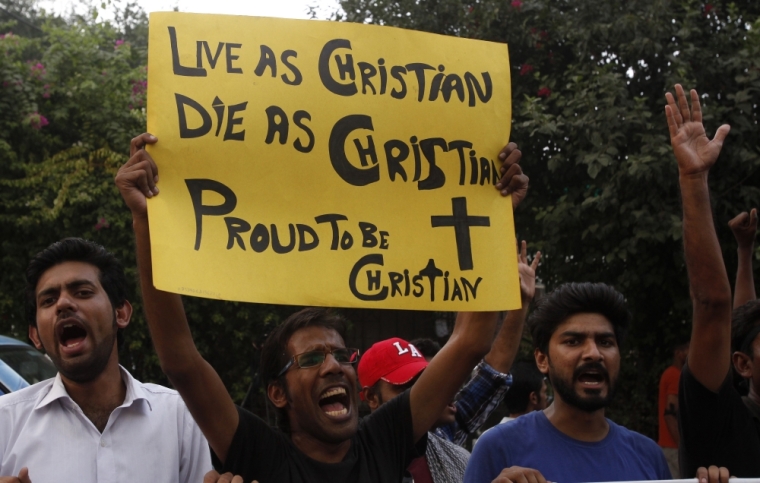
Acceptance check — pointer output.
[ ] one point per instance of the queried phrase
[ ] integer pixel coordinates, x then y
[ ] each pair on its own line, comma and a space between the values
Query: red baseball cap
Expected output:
395, 361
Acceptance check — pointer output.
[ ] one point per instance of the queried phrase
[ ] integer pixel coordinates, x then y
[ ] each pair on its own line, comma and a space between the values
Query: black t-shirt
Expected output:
380, 451
716, 429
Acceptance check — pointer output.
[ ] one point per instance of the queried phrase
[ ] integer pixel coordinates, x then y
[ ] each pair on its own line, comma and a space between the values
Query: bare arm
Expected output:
744, 227
197, 382
709, 351
507, 341
473, 331
671, 417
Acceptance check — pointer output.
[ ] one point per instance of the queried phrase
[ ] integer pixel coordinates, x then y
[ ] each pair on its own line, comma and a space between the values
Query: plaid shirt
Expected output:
475, 402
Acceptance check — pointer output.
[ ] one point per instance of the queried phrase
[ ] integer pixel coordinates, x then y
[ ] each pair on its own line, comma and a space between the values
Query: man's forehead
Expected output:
66, 273
588, 323
314, 337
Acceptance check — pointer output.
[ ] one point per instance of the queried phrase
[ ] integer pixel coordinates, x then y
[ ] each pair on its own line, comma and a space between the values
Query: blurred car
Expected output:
21, 365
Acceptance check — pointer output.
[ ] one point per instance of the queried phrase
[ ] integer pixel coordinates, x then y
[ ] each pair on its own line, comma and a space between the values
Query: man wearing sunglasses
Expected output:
309, 376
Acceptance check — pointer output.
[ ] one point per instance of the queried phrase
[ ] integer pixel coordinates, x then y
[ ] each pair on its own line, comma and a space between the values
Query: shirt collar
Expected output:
135, 391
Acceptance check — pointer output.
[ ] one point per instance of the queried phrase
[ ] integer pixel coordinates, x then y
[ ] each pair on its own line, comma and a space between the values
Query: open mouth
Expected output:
71, 334
335, 402
591, 378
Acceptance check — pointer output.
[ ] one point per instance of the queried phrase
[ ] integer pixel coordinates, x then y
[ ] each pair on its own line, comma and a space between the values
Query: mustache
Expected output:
68, 314
592, 366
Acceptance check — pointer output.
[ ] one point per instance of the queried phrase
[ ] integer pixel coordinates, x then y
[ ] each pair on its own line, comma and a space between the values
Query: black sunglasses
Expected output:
316, 358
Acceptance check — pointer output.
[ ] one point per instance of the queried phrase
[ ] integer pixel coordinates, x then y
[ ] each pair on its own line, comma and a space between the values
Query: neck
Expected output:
576, 423
100, 396
320, 450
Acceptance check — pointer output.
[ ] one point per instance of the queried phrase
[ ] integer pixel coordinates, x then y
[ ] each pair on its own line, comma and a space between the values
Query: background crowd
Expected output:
588, 81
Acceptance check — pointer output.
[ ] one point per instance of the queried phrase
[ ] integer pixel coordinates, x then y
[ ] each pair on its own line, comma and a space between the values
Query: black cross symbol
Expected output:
461, 223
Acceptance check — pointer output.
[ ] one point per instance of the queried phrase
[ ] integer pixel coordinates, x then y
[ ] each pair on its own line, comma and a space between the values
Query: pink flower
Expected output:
516, 4
8, 35
102, 223
526, 69
544, 92
38, 121
118, 43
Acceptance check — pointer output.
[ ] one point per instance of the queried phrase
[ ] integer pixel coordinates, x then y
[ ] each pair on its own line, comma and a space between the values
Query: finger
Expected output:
672, 125
672, 110
713, 474
508, 173
23, 475
211, 477
140, 141
753, 218
143, 160
140, 179
516, 184
721, 134
511, 160
738, 220
524, 252
507, 150
702, 474
683, 105
723, 474
536, 260
696, 107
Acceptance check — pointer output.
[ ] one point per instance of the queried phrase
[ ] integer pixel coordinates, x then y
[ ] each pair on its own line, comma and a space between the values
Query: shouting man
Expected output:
308, 372
93, 421
577, 331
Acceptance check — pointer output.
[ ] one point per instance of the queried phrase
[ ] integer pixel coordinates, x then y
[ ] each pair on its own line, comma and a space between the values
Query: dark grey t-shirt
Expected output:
380, 451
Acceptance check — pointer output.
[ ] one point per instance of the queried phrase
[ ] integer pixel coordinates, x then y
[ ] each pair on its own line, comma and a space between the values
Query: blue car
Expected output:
21, 365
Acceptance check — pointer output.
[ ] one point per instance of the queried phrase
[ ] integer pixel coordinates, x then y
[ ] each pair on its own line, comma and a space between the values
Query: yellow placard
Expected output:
332, 164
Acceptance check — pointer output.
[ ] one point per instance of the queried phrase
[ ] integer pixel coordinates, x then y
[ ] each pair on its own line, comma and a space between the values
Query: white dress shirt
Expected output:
151, 437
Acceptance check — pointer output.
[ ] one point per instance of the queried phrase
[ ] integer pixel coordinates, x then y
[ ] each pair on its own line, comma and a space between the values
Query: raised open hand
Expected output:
513, 181
694, 151
744, 227
527, 272
137, 179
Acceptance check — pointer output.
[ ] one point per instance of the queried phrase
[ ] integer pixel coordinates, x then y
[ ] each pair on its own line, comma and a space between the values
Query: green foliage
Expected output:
588, 83
70, 101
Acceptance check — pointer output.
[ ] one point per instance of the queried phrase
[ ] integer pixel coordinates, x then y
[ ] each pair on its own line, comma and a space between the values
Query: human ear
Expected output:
372, 398
742, 364
276, 393
123, 314
542, 361
533, 398
34, 336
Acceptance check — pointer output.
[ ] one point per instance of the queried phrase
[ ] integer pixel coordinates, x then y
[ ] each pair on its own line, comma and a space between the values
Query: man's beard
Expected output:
590, 402
90, 367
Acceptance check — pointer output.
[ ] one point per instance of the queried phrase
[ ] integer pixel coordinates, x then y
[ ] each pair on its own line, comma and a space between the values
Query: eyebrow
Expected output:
73, 285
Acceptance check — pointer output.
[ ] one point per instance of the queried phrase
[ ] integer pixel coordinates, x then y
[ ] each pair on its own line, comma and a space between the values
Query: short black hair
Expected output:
111, 272
426, 347
526, 378
744, 323
274, 352
575, 298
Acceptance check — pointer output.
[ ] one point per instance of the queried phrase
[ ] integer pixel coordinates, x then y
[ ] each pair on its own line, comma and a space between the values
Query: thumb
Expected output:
23, 475
721, 133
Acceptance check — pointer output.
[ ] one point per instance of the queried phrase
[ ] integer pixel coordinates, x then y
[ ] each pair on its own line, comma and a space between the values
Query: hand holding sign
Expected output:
137, 179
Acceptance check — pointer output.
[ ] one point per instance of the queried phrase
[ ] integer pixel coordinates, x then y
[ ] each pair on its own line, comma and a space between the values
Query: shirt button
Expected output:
102, 443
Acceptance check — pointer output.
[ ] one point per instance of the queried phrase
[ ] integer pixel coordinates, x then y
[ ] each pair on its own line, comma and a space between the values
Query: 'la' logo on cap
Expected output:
404, 350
